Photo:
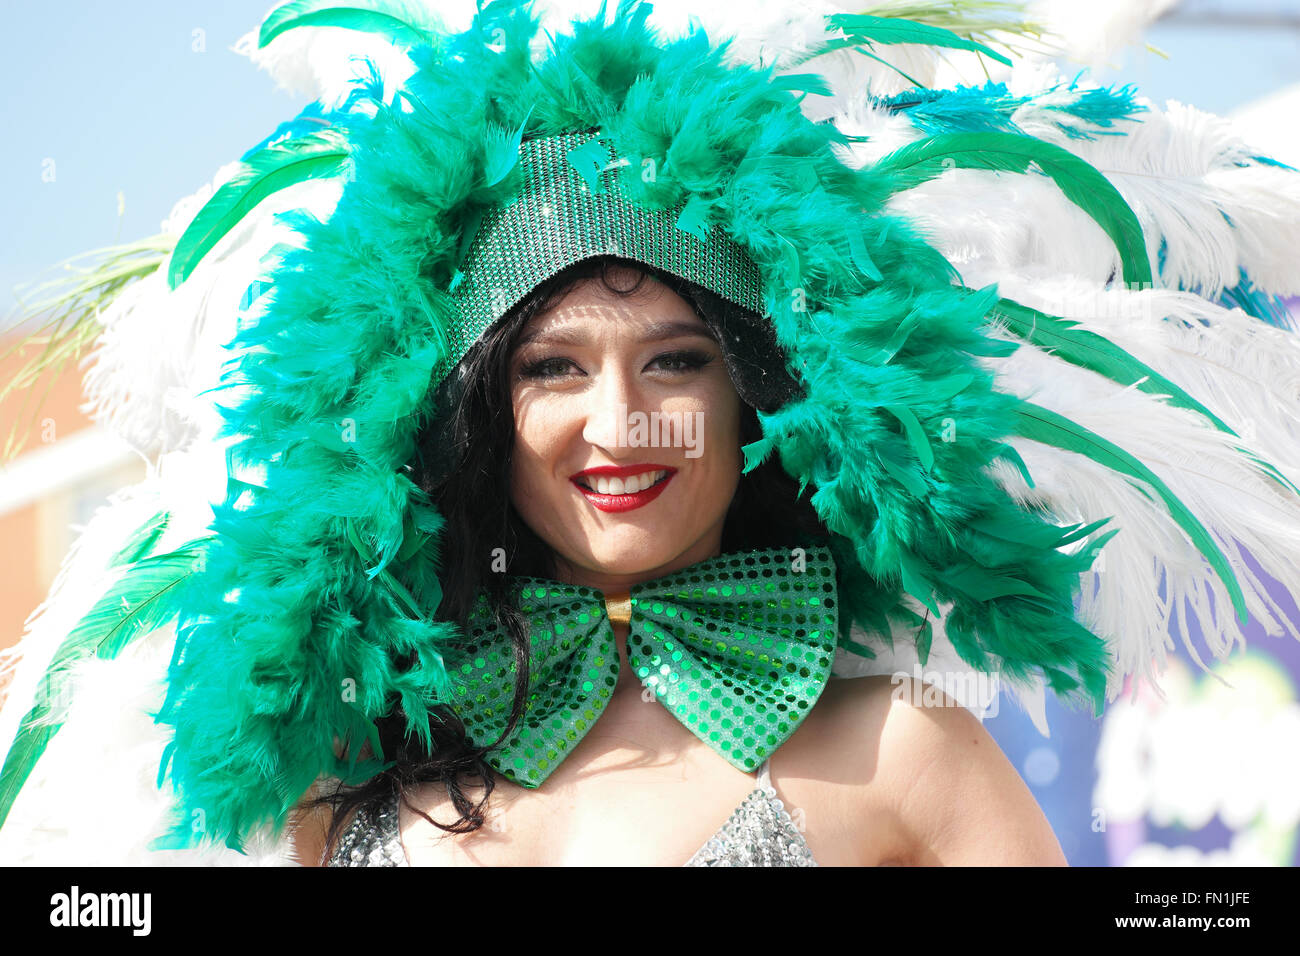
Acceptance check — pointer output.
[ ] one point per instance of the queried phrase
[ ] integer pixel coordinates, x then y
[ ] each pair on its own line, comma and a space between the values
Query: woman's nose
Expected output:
612, 400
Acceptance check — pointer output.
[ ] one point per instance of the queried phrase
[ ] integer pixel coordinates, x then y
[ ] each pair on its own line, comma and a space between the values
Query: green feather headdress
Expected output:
320, 574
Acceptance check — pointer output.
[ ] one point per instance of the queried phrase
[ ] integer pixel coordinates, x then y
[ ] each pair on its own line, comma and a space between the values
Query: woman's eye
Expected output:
684, 361
544, 368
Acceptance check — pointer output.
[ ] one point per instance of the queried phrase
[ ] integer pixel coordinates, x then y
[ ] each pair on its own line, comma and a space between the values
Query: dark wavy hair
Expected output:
462, 462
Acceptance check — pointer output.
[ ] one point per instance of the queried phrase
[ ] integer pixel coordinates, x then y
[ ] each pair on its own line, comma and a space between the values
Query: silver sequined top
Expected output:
759, 833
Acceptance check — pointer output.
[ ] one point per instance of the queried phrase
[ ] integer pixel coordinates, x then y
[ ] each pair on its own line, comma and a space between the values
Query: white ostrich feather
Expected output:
884, 131
1196, 188
1240, 506
161, 347
92, 799
324, 62
1244, 370
992, 226
78, 584
1192, 183
1094, 32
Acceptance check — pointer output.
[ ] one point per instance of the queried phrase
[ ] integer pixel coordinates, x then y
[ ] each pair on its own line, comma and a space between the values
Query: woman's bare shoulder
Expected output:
851, 735
309, 825
931, 766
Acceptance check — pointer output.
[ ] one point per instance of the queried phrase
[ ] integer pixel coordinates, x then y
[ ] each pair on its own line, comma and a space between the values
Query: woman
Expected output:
873, 779
414, 585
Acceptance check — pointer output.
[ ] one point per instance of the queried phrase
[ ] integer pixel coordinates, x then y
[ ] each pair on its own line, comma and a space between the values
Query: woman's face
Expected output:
635, 387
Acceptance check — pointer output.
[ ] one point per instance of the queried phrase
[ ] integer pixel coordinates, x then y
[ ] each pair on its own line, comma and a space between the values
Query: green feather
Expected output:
986, 584
813, 83
29, 744
915, 434
143, 599
412, 540
902, 471
1064, 339
755, 453
862, 259
142, 540
1042, 425
314, 156
924, 638
406, 23
897, 69
399, 590
861, 28
1080, 182
590, 160
502, 150
1042, 536
422, 522
694, 218
916, 579
427, 518
1008, 452
1083, 530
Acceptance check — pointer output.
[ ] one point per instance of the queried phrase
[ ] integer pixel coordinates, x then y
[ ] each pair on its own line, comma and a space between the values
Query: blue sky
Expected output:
118, 96
1211, 66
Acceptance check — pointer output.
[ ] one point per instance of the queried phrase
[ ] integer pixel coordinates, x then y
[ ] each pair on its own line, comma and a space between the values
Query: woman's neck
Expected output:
614, 583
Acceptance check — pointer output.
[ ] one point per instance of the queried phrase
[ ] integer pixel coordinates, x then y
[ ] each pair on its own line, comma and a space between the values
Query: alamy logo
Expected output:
102, 909
976, 690
661, 430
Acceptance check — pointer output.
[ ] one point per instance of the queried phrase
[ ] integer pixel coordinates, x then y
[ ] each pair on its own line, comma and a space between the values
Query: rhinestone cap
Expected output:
558, 219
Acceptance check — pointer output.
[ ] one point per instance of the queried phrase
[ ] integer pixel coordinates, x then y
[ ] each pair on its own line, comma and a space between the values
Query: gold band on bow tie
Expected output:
618, 607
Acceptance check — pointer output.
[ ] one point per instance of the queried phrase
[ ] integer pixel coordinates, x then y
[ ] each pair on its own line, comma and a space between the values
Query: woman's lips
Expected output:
614, 503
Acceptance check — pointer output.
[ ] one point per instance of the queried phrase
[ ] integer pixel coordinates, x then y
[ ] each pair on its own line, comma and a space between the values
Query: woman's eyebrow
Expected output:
654, 332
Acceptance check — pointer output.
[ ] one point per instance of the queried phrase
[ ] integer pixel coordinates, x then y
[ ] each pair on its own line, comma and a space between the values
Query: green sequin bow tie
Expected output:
738, 648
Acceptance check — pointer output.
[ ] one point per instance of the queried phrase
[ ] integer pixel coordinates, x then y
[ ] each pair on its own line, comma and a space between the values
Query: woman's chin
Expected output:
654, 554
629, 558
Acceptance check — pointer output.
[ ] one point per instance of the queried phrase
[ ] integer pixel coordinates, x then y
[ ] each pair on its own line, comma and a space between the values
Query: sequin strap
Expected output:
373, 838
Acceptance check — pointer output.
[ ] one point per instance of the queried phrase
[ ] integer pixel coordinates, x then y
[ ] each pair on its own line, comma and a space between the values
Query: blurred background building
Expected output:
117, 111
66, 467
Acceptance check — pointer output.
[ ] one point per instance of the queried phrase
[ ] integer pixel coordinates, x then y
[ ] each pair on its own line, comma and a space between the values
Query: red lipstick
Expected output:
623, 502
